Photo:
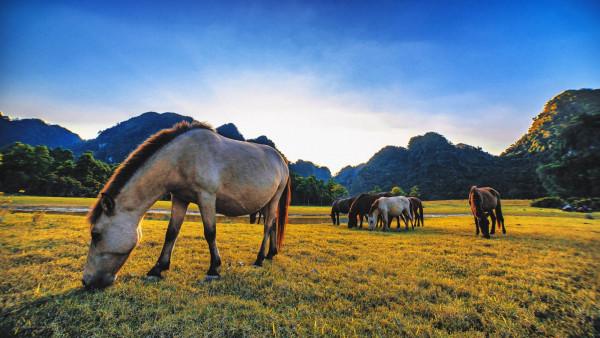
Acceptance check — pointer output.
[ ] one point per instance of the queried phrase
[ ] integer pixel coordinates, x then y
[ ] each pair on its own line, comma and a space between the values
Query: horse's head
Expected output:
484, 225
352, 223
372, 221
114, 235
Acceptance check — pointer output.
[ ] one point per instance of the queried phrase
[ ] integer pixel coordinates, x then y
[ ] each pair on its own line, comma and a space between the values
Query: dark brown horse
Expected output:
341, 205
361, 206
416, 207
485, 202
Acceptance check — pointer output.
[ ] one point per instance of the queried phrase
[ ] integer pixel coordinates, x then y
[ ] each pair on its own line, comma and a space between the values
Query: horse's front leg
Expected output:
178, 210
493, 217
476, 226
207, 206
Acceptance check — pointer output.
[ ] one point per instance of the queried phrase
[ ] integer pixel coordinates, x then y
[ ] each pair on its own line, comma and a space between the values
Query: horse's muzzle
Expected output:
94, 283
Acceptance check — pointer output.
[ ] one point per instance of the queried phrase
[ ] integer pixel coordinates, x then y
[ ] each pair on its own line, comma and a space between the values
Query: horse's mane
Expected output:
137, 158
374, 206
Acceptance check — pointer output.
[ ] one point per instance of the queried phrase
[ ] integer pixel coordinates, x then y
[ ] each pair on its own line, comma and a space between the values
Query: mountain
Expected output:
440, 169
544, 132
35, 132
307, 168
347, 174
115, 143
231, 131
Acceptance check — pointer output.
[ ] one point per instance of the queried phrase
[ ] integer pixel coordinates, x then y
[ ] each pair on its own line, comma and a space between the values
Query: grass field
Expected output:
542, 279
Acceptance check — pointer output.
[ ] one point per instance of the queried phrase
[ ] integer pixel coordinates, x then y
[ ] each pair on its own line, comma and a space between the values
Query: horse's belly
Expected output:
234, 207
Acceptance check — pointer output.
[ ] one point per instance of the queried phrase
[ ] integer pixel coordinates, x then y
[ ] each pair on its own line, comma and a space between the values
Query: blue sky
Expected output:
330, 82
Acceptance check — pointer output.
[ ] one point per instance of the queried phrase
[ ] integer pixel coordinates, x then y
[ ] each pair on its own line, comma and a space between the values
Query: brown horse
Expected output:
196, 165
361, 206
416, 206
341, 205
484, 202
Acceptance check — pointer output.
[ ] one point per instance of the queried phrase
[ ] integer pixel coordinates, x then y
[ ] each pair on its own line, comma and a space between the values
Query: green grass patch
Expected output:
539, 280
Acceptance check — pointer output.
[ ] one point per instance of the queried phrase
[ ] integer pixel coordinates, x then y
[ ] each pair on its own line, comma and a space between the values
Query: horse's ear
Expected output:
107, 203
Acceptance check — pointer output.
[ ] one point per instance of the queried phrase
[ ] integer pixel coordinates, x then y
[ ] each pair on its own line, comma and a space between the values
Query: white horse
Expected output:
388, 208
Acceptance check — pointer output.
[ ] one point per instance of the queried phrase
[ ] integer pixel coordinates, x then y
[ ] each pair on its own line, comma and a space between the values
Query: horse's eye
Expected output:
96, 236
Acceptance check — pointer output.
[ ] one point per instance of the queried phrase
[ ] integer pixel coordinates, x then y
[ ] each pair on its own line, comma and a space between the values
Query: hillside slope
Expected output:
35, 132
542, 136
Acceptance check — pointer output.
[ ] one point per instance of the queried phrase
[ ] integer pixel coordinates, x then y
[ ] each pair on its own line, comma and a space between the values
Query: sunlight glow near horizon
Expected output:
322, 89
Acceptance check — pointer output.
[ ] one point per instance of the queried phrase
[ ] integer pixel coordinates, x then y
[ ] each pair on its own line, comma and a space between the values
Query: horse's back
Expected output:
243, 176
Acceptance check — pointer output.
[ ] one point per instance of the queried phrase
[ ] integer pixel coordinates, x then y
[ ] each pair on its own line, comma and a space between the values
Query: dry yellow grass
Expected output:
542, 279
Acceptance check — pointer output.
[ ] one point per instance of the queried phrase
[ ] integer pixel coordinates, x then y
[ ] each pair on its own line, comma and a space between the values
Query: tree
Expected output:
414, 191
397, 191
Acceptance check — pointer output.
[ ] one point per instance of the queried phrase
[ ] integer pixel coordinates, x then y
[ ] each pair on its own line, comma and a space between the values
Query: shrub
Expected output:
548, 202
593, 203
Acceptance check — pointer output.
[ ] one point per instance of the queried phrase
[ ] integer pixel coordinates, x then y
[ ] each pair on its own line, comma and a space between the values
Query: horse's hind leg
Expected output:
270, 218
493, 217
500, 219
207, 206
178, 210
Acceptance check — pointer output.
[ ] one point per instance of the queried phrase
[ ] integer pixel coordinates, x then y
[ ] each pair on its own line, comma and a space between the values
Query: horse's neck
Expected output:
143, 189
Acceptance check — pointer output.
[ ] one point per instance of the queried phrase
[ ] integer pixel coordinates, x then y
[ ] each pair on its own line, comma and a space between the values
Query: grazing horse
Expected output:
388, 207
416, 206
341, 205
254, 220
483, 202
195, 165
361, 206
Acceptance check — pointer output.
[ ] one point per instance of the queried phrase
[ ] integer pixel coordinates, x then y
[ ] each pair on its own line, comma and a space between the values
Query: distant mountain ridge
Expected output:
308, 168
112, 145
35, 132
439, 168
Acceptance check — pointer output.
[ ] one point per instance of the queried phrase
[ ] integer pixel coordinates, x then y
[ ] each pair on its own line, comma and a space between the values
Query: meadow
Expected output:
541, 279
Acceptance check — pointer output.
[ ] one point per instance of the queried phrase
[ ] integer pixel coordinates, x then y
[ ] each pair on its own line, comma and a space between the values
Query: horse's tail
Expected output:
421, 214
282, 213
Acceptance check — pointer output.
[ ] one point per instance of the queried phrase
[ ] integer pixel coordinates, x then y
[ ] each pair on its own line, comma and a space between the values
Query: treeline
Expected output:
51, 172
313, 191
57, 172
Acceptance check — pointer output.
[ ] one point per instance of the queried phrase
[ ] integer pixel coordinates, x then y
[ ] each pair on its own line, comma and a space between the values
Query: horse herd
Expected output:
194, 164
378, 209
382, 208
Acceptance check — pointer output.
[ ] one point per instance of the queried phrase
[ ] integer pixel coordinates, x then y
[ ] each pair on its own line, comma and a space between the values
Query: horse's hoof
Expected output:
257, 264
153, 278
210, 278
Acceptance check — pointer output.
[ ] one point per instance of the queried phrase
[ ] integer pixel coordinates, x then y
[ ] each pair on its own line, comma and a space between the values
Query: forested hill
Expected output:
440, 169
544, 133
115, 143
35, 132
558, 156
307, 168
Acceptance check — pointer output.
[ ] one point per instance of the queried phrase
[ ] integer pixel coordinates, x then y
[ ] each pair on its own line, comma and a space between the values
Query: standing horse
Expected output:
196, 165
361, 206
341, 205
483, 202
389, 207
416, 206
